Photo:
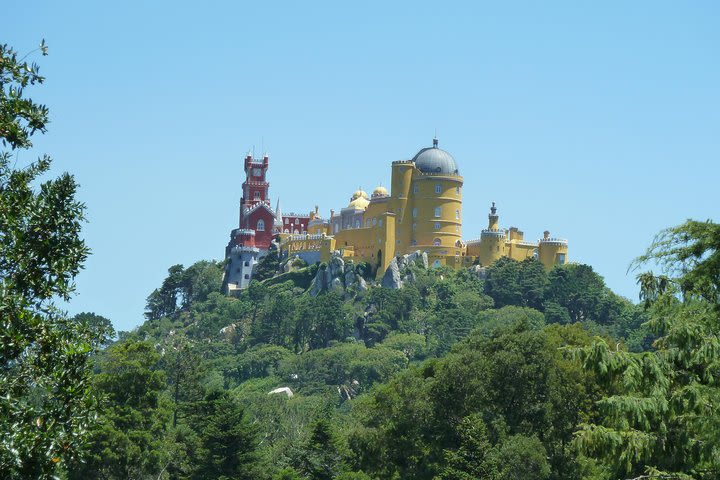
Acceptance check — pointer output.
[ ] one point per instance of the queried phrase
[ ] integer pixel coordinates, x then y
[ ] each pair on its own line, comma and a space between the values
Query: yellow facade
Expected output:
422, 211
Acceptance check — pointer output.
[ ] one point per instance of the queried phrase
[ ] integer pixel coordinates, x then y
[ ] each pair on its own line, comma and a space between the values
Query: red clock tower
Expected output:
255, 211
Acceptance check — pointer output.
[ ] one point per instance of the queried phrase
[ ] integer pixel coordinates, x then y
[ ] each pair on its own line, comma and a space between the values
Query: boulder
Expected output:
479, 272
336, 265
336, 285
392, 279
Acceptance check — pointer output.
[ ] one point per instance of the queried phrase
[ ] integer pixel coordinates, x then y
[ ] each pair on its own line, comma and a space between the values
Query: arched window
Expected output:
438, 212
357, 223
436, 264
374, 221
436, 242
260, 226
414, 212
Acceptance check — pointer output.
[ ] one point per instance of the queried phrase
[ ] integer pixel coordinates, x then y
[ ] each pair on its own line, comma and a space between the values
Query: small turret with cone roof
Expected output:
278, 224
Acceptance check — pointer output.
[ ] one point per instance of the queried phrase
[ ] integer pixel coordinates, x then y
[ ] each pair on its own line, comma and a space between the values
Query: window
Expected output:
457, 214
296, 231
367, 222
436, 242
414, 212
438, 212
415, 188
247, 264
247, 276
357, 223
413, 242
260, 226
374, 221
438, 188
257, 172
561, 258
297, 221
380, 223
414, 227
256, 195
436, 264
437, 226
457, 190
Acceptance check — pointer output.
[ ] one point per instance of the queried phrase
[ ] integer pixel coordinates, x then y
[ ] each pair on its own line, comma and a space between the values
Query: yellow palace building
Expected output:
422, 211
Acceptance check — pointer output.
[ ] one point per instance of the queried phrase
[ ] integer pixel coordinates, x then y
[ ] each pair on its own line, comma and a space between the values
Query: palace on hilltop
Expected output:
422, 211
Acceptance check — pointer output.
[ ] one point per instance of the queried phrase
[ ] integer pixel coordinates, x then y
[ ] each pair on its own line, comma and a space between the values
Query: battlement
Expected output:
304, 236
486, 233
441, 174
243, 231
241, 249
554, 241
403, 162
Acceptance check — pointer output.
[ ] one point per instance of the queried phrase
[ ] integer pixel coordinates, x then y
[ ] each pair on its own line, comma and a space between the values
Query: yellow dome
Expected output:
380, 192
360, 194
359, 202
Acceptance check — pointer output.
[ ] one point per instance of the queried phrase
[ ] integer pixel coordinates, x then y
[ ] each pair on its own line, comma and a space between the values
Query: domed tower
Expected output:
435, 204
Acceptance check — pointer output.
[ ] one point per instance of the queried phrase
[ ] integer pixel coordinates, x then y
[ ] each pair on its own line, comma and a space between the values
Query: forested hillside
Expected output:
510, 373
503, 373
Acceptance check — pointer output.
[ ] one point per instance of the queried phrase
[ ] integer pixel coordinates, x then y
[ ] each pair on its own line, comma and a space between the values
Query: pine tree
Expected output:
662, 416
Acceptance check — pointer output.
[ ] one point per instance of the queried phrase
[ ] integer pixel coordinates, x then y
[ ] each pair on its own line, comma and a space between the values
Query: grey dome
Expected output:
435, 160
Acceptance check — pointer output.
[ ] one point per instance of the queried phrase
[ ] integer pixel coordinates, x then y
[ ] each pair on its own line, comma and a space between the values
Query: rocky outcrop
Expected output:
392, 279
337, 276
292, 264
479, 272
399, 271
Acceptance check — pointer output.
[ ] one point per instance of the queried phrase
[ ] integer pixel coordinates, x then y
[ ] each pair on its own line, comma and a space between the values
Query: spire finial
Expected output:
493, 209
435, 142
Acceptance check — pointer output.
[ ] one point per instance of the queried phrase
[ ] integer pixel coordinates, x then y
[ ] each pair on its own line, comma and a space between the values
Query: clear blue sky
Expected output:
599, 121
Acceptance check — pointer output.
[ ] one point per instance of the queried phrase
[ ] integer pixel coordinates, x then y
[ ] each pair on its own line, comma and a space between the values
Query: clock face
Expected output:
257, 172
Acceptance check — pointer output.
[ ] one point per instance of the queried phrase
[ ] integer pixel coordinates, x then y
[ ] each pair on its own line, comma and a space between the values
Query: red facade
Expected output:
261, 219
295, 223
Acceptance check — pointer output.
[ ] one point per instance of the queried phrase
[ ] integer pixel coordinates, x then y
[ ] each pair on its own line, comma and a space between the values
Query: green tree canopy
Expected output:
662, 414
46, 402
